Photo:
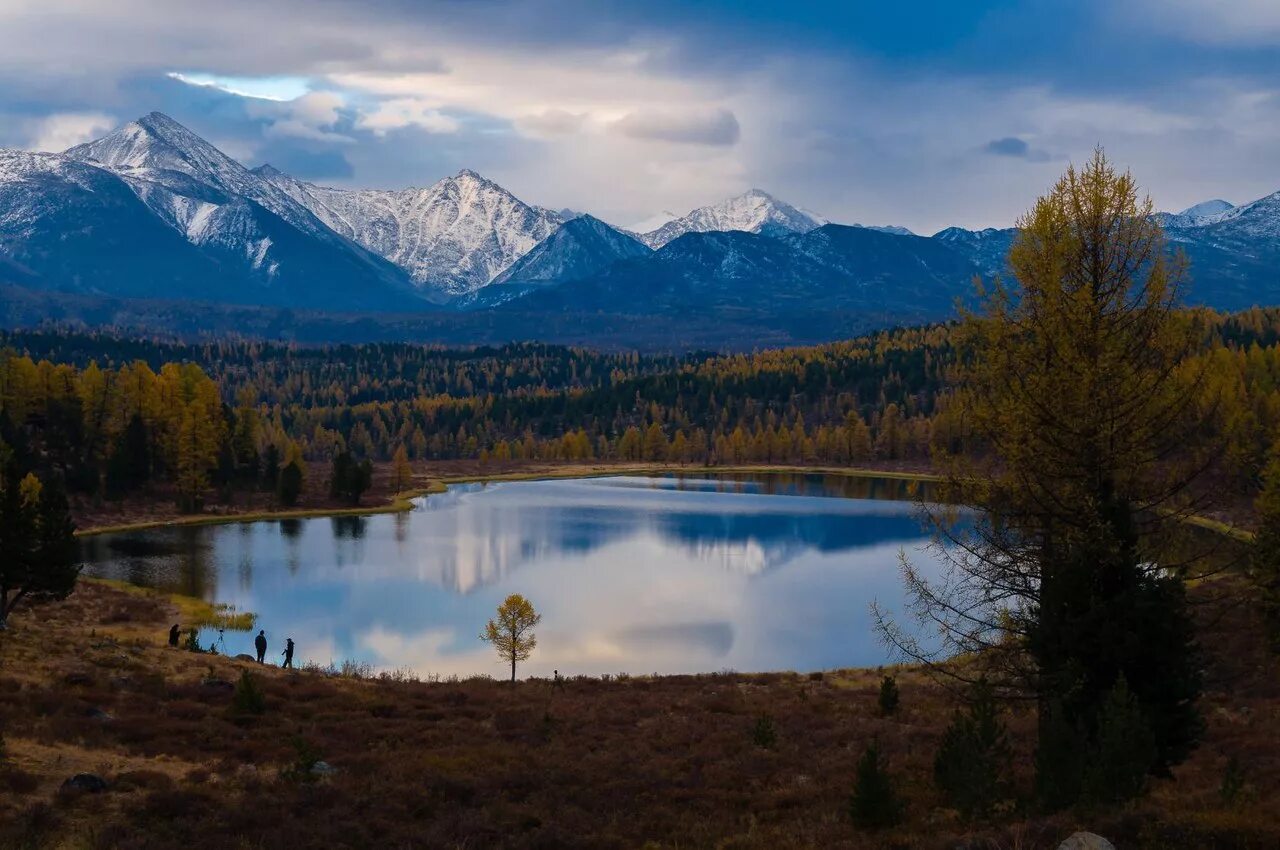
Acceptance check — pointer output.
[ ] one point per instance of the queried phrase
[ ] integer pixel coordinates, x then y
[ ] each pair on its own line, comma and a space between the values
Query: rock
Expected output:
1086, 841
100, 715
221, 685
86, 782
322, 768
244, 656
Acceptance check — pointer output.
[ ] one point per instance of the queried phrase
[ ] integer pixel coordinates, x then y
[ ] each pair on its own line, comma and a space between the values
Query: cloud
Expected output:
551, 122
714, 127
1012, 146
313, 116
401, 112
858, 111
60, 131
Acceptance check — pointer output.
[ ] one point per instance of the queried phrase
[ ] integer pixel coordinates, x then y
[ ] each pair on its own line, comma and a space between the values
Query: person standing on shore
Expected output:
173, 635
260, 643
288, 653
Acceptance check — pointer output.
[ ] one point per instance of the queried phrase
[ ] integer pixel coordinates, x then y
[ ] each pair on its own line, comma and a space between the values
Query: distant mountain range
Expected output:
156, 215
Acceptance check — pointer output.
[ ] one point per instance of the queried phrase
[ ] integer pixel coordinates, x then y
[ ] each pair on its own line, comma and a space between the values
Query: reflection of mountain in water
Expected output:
473, 542
474, 536
756, 542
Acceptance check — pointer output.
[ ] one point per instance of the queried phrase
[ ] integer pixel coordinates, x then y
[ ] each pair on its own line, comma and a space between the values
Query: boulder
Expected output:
244, 656
1086, 841
218, 685
86, 782
100, 715
322, 768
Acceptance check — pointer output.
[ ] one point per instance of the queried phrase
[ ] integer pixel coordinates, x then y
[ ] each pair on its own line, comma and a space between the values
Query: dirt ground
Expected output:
88, 686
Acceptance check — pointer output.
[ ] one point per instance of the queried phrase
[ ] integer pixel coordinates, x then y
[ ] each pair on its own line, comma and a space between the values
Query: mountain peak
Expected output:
755, 211
1207, 208
268, 170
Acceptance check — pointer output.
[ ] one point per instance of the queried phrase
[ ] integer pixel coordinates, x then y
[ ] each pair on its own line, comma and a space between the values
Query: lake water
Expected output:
638, 575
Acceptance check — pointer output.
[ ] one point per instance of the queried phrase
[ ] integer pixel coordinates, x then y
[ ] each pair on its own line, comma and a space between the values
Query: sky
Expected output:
923, 114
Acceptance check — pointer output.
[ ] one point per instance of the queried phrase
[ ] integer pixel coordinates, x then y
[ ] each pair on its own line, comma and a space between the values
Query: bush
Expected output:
875, 804
1123, 750
248, 697
765, 732
193, 641
1233, 782
972, 763
888, 696
304, 762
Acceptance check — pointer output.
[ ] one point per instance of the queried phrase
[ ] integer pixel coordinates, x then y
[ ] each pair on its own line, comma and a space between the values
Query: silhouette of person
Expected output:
260, 644
288, 653
173, 635
558, 681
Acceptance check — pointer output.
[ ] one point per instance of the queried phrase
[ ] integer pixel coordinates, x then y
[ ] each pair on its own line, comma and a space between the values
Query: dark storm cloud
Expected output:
859, 111
1012, 146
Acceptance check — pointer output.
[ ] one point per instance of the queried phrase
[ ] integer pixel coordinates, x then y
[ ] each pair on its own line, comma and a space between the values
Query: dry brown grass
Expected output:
667, 762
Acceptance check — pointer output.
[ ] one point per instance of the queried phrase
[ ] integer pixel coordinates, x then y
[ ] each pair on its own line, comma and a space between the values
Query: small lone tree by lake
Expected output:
511, 632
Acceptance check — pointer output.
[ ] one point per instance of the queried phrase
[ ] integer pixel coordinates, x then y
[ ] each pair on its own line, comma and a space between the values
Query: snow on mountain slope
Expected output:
755, 211
259, 244
74, 227
452, 237
1204, 209
579, 248
157, 150
895, 229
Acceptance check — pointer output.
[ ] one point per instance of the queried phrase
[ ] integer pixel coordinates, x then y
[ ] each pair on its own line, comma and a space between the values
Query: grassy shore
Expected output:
87, 685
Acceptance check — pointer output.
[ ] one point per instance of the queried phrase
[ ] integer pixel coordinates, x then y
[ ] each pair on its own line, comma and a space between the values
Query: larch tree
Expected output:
401, 469
1069, 580
511, 632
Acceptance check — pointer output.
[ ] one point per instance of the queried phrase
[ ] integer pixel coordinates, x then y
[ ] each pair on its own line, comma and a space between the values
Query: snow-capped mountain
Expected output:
1204, 209
895, 229
579, 248
755, 211
452, 237
269, 248
72, 227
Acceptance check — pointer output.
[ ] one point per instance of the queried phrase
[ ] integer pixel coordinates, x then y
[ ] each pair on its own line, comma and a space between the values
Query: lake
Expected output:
665, 574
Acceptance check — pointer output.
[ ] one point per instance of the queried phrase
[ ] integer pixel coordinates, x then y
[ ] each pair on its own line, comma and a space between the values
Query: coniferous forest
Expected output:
112, 415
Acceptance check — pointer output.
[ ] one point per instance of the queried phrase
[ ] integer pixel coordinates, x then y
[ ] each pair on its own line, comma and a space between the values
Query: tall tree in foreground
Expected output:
37, 546
511, 633
1071, 577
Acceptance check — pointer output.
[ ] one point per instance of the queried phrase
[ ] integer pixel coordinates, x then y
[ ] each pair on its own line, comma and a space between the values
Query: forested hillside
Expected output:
112, 414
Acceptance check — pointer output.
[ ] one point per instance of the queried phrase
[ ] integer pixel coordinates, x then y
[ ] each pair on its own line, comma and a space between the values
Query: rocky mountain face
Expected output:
451, 238
153, 212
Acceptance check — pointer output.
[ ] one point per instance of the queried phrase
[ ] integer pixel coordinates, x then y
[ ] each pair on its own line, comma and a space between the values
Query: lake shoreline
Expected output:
403, 501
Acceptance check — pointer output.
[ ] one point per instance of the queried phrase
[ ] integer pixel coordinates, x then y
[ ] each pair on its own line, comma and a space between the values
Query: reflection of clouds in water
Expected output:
628, 577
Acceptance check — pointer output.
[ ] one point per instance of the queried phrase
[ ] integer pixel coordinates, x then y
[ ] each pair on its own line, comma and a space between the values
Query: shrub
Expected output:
1233, 782
305, 759
972, 762
1123, 750
193, 641
248, 697
875, 804
765, 733
888, 696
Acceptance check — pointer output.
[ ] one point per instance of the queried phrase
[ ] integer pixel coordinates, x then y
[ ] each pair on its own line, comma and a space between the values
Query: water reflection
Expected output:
666, 574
